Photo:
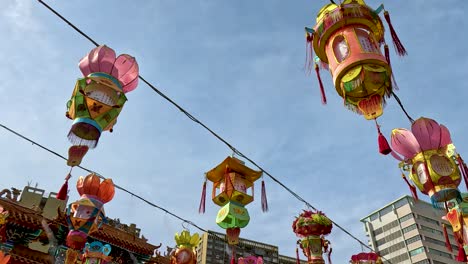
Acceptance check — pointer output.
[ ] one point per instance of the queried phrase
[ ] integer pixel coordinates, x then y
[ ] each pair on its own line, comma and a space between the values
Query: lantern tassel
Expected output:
384, 147
63, 192
461, 257
447, 241
412, 188
264, 198
387, 57
399, 48
233, 259
309, 53
298, 260
329, 256
322, 90
201, 208
463, 169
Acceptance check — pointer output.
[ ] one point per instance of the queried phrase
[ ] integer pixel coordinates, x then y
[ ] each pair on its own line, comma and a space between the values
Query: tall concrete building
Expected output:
213, 249
408, 231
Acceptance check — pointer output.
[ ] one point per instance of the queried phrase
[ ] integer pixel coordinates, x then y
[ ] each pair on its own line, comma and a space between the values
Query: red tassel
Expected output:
264, 198
63, 192
233, 256
384, 147
298, 260
463, 169
201, 208
399, 48
387, 57
309, 52
412, 188
329, 256
461, 257
322, 90
447, 241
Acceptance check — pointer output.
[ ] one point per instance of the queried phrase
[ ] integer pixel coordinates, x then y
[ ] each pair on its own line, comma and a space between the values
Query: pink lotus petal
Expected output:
427, 132
445, 137
404, 143
131, 86
125, 69
106, 60
99, 59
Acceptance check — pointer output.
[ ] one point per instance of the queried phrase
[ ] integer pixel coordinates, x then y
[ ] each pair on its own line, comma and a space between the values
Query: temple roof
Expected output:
31, 218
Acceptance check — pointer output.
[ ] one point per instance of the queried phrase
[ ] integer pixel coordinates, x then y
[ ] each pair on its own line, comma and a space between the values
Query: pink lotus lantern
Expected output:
366, 258
429, 157
250, 260
99, 97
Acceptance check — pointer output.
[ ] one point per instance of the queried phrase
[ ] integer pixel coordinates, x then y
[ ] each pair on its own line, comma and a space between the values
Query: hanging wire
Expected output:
402, 107
191, 117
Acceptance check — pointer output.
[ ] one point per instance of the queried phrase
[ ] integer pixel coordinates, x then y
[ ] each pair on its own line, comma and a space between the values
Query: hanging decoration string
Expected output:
402, 107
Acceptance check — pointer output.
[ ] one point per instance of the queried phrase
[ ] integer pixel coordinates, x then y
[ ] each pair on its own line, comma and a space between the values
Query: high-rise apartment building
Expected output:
408, 231
213, 249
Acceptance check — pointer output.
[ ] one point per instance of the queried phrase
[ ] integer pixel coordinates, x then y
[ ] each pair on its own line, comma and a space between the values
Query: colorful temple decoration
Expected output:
87, 214
312, 227
186, 245
429, 157
96, 253
250, 260
347, 40
366, 258
232, 181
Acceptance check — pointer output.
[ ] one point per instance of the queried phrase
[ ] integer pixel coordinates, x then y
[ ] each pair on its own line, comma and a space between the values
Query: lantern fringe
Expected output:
412, 188
461, 257
77, 141
201, 208
322, 90
399, 48
463, 169
329, 256
447, 241
298, 260
387, 57
264, 198
309, 53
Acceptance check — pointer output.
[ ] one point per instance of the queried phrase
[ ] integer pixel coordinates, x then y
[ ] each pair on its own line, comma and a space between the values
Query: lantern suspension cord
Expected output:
191, 117
402, 107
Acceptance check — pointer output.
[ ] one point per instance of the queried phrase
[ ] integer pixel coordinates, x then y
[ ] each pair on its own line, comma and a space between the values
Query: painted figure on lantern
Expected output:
366, 258
96, 253
312, 228
429, 157
98, 98
186, 248
5, 247
87, 214
347, 40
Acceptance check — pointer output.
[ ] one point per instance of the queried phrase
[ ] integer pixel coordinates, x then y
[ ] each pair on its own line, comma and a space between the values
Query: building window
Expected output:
440, 253
409, 228
340, 48
400, 203
386, 210
424, 261
413, 239
431, 230
416, 251
406, 217
429, 220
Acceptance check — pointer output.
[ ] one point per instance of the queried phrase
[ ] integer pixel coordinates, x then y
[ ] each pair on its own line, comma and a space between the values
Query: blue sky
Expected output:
238, 67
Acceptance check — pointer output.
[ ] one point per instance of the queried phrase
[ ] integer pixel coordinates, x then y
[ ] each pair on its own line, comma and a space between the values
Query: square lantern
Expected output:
232, 181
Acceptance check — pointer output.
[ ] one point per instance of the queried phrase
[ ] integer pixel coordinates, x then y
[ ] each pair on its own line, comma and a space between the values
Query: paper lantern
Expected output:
347, 40
429, 156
